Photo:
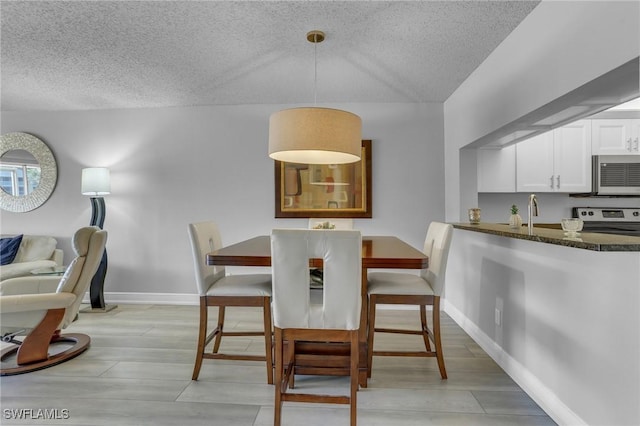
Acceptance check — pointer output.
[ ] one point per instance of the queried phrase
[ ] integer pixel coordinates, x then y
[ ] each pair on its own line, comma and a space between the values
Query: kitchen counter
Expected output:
546, 234
551, 315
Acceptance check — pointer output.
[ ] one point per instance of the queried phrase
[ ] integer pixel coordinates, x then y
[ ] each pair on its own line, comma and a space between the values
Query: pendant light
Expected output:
313, 135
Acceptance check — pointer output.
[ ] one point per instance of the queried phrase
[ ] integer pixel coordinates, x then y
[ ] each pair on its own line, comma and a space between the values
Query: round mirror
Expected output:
28, 172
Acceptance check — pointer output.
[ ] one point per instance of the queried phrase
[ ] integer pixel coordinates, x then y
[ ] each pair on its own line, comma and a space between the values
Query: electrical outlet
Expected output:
498, 316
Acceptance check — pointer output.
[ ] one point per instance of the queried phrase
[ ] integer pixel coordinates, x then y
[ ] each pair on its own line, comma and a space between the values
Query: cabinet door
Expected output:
635, 136
497, 169
534, 164
572, 157
612, 137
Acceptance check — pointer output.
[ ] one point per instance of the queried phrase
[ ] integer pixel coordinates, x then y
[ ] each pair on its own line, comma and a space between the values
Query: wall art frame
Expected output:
324, 190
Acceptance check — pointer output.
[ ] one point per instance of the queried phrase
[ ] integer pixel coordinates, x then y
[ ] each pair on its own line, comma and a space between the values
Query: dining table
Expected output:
378, 252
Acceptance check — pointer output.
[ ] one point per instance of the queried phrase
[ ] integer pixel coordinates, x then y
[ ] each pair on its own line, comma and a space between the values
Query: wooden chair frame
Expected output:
427, 334
33, 353
286, 352
204, 338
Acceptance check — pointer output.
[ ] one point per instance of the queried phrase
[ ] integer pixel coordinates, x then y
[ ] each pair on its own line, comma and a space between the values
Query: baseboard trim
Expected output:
148, 298
185, 299
541, 394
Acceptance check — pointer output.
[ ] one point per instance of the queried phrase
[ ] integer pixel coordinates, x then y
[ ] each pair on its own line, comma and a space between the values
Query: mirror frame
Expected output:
48, 172
365, 191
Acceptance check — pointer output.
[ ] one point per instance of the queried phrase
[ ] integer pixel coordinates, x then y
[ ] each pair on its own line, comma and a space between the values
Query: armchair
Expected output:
40, 316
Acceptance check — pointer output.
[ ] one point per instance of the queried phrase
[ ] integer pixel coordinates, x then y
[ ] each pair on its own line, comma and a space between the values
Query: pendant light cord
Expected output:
315, 69
315, 37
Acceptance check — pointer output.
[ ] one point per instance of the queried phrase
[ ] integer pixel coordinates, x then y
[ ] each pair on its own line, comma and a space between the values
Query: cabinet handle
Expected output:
551, 182
558, 181
636, 144
629, 144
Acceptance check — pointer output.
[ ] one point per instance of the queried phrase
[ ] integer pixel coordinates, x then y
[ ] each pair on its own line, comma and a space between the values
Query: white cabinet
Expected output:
534, 164
616, 136
556, 161
497, 169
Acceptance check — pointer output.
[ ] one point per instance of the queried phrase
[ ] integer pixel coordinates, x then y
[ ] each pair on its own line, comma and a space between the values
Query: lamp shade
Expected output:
96, 181
315, 136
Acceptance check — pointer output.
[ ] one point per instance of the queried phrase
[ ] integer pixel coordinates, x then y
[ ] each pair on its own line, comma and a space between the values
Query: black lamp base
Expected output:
90, 310
96, 290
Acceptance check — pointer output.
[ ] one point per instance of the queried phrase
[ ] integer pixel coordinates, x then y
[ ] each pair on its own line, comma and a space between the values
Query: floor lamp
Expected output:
96, 181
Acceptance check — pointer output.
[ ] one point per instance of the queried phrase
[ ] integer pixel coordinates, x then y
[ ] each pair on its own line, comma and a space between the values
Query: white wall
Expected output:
558, 47
173, 166
570, 329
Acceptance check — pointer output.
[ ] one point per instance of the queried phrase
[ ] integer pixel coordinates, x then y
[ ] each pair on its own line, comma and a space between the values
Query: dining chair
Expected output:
410, 289
27, 310
222, 291
297, 320
315, 274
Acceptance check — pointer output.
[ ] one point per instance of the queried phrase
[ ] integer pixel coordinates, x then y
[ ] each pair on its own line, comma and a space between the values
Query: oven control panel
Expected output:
607, 214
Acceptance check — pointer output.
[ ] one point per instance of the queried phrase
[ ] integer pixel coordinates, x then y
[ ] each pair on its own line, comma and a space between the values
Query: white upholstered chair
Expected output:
221, 290
319, 223
296, 319
409, 289
26, 311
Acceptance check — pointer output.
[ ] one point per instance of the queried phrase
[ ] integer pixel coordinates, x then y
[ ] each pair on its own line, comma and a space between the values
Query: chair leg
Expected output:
354, 376
425, 327
437, 338
267, 339
291, 357
371, 332
202, 338
216, 343
279, 354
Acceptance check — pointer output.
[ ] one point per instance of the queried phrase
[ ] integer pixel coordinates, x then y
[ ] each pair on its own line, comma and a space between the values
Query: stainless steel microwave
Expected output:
616, 174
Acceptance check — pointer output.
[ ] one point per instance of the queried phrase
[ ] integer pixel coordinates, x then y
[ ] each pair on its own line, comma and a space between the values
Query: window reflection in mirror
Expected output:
19, 172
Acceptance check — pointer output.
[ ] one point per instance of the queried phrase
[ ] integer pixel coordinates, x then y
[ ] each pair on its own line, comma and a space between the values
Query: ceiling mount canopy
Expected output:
312, 135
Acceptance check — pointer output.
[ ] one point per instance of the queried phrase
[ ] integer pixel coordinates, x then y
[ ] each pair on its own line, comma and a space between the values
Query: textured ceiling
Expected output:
127, 54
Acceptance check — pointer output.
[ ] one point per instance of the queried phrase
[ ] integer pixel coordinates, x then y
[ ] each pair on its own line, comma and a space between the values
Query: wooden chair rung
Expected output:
405, 353
397, 331
242, 333
237, 357
328, 399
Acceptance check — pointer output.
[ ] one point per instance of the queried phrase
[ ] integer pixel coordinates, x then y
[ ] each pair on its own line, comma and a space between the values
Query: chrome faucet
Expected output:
533, 211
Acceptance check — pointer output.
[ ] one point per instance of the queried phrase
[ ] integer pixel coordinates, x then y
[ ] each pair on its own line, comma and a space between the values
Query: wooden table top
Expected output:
377, 252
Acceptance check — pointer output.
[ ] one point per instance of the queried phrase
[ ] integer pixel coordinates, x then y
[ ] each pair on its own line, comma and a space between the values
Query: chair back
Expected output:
341, 253
205, 238
88, 245
436, 246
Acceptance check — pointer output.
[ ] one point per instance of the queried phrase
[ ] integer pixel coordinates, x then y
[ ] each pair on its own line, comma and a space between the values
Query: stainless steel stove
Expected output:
610, 220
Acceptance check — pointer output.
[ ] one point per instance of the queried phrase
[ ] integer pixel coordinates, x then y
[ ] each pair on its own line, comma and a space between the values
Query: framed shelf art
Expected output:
324, 190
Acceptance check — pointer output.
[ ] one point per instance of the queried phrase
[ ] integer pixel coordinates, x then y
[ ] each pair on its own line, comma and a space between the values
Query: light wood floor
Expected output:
138, 372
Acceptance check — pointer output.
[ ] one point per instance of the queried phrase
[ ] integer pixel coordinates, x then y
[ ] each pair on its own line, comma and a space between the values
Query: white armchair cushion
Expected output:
71, 275
34, 302
18, 311
35, 284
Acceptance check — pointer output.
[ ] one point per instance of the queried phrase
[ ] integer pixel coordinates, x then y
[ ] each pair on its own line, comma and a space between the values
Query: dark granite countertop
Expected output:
546, 234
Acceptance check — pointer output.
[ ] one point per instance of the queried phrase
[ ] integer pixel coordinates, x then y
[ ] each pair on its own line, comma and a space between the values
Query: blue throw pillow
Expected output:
9, 249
